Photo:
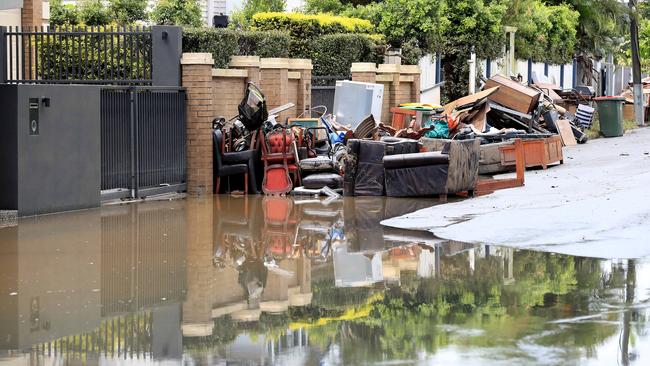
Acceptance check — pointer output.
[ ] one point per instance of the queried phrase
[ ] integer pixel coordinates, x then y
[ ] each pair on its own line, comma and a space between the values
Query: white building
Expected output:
10, 15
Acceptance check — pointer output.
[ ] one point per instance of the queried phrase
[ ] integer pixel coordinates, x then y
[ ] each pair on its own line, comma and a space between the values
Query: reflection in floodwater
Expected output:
263, 280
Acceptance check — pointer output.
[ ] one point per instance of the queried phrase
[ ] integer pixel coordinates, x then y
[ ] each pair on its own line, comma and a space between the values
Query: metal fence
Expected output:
322, 90
80, 55
142, 141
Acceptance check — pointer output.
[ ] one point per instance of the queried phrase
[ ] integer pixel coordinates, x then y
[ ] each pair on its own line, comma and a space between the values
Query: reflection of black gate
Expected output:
143, 141
322, 90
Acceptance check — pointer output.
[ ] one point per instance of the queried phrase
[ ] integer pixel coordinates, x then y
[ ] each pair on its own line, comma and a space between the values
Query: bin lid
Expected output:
613, 98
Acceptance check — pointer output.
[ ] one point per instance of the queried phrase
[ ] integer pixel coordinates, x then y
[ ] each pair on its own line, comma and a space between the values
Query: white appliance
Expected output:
354, 101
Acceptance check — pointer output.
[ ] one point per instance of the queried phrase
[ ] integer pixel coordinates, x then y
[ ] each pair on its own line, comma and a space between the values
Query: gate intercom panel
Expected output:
33, 117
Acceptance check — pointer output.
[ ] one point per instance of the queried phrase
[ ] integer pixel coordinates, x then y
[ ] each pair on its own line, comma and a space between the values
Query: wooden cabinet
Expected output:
513, 95
537, 152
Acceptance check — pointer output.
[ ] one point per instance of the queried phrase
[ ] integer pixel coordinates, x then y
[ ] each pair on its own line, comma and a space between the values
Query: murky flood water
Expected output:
291, 282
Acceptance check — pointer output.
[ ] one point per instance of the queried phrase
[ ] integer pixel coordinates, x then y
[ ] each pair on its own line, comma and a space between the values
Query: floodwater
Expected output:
233, 280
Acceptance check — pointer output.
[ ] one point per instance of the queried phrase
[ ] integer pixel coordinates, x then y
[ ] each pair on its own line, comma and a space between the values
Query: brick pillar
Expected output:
365, 72
197, 79
412, 71
249, 63
389, 73
274, 82
32, 13
304, 67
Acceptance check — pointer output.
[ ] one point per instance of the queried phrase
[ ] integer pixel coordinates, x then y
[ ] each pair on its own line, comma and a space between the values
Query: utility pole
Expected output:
472, 71
636, 64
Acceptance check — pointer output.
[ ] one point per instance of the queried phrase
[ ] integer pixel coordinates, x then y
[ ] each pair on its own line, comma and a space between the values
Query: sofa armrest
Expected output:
463, 165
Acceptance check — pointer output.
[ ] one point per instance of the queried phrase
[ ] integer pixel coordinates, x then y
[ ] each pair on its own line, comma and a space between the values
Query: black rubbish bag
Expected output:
252, 109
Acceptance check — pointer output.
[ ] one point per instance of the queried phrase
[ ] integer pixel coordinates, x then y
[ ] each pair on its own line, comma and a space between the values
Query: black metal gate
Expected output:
322, 90
143, 141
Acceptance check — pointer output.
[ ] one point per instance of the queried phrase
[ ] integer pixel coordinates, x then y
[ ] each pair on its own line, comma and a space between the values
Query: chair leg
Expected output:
218, 185
246, 183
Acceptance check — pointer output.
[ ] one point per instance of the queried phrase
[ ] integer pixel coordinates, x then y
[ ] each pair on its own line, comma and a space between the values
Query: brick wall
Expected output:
217, 92
401, 83
197, 79
281, 80
229, 86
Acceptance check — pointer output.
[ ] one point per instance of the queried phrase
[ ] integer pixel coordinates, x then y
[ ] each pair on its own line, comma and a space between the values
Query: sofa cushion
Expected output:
396, 145
369, 178
412, 160
320, 180
417, 181
317, 164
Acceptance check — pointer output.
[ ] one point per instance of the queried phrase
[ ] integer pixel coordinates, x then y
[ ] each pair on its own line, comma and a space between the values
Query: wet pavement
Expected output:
233, 280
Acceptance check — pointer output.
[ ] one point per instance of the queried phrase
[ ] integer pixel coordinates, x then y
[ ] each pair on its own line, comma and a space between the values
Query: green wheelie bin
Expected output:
610, 114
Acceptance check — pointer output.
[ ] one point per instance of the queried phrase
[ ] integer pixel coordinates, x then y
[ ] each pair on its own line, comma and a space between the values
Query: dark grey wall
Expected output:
8, 147
167, 52
59, 169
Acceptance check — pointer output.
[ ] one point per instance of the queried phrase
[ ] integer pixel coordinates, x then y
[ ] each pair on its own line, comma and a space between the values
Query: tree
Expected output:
241, 18
177, 12
63, 14
93, 12
421, 20
473, 23
602, 24
323, 6
127, 11
544, 33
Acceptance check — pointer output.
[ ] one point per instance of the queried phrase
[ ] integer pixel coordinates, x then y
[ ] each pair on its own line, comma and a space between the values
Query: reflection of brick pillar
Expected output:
303, 67
249, 63
274, 82
197, 309
304, 274
32, 13
365, 72
277, 285
197, 79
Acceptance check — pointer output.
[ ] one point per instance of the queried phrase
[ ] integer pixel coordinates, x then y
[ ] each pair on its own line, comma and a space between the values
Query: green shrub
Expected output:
223, 43
264, 44
333, 54
411, 52
304, 29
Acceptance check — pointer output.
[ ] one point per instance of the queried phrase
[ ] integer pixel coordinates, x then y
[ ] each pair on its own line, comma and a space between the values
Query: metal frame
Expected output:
149, 171
87, 52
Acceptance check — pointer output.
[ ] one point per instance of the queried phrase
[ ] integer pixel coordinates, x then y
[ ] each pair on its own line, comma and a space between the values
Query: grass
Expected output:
594, 131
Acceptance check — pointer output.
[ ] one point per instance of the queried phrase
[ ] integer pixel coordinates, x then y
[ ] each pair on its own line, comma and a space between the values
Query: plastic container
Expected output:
610, 114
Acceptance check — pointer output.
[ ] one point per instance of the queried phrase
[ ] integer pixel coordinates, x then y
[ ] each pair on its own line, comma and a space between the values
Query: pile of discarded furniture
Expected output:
426, 150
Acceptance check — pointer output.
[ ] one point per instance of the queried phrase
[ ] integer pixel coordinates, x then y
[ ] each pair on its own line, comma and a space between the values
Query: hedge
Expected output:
333, 54
223, 43
93, 57
325, 22
304, 29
